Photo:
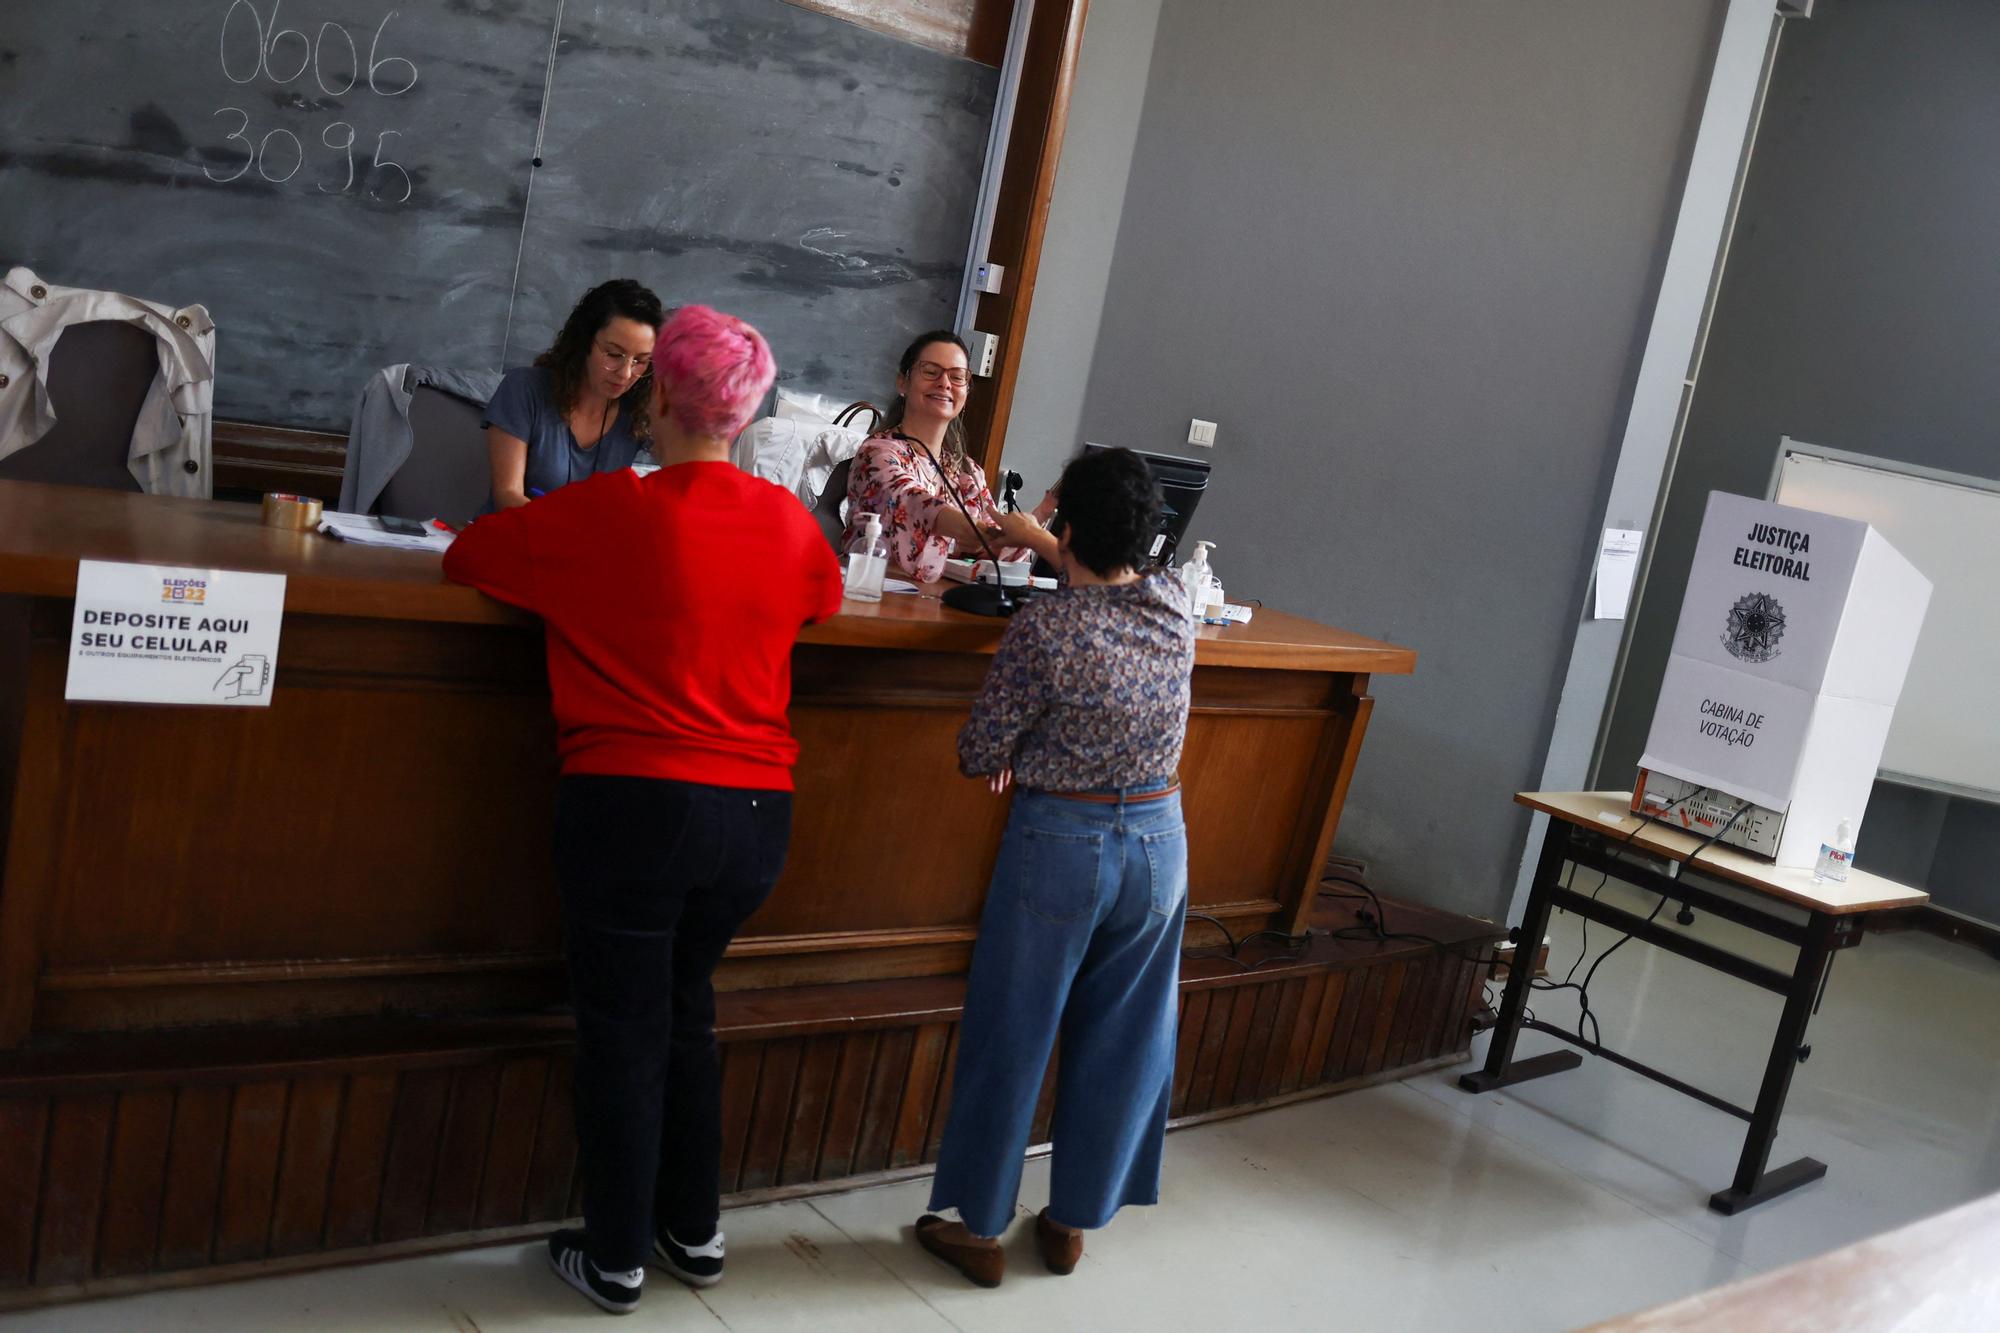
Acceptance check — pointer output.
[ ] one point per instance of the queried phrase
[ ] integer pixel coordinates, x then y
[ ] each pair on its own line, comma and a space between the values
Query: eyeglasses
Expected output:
617, 361
930, 372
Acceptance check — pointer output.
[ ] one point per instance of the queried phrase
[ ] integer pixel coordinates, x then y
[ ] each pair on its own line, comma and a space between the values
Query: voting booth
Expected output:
1793, 642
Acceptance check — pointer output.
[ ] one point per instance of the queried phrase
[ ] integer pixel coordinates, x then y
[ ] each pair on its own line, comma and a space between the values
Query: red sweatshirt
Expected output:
672, 603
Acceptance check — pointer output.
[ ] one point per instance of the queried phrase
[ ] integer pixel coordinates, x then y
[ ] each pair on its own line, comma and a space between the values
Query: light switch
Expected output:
1201, 433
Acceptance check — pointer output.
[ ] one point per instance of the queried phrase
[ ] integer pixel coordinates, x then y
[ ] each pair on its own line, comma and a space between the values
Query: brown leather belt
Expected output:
1110, 798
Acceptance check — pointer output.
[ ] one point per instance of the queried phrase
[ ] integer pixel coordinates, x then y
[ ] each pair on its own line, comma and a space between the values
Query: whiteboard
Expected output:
1946, 734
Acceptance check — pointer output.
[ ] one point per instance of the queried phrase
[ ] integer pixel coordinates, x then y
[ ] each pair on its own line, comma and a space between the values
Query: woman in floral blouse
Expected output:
1085, 707
891, 475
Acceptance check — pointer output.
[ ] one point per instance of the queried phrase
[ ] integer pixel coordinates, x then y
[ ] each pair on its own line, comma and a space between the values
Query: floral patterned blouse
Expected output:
1089, 689
891, 477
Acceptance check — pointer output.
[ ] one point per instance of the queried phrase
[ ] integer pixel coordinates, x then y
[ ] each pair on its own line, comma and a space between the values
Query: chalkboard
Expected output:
347, 184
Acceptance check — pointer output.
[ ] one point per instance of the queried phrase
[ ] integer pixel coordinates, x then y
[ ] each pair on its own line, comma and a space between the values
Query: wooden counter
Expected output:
378, 838
327, 927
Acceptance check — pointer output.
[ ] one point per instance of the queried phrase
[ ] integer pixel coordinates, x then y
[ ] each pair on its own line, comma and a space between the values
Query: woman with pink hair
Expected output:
670, 674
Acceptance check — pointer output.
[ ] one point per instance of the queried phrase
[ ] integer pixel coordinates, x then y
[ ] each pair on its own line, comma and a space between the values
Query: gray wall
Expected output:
1403, 252
1860, 310
1083, 227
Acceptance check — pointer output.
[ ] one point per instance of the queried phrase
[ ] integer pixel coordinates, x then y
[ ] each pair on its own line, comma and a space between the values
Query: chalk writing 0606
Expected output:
388, 76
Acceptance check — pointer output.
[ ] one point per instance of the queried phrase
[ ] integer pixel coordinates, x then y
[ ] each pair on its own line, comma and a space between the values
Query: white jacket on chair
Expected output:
174, 426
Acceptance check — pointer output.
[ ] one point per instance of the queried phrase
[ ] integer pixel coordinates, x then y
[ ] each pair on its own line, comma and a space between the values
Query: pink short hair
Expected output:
714, 369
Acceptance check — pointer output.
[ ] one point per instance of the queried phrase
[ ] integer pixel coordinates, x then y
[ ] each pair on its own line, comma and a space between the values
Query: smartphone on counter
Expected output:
404, 527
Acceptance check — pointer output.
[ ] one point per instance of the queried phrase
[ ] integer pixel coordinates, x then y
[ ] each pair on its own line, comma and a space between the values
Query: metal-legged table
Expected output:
1591, 829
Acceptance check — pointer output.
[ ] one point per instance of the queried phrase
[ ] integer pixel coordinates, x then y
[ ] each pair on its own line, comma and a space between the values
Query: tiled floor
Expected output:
1408, 1207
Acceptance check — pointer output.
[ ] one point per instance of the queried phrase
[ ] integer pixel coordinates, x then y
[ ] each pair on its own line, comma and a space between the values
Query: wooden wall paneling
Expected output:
1431, 1021
885, 1098
305, 1171
1350, 1030
250, 1171
742, 1063
78, 1144
1385, 1017
422, 1098
195, 1153
1312, 999
250, 459
770, 1115
517, 1116
34, 839
468, 1128
1420, 977
1278, 1049
354, 1190
845, 1106
1442, 967
129, 1235
1263, 1022
1437, 1023
1208, 1058
818, 1067
1326, 1033
1187, 1042
941, 1108
1468, 1004
24, 1126
913, 1118
1236, 1042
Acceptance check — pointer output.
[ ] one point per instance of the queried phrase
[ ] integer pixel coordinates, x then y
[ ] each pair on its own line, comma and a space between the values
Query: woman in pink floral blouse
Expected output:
891, 475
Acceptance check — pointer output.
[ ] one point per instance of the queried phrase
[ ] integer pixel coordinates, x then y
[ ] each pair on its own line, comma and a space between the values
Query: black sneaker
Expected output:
696, 1265
616, 1292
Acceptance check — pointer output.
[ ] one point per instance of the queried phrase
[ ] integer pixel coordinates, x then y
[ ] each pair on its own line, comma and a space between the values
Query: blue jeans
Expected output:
1080, 938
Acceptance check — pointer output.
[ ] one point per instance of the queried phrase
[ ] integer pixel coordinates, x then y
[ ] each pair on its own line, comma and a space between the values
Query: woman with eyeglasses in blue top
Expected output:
581, 408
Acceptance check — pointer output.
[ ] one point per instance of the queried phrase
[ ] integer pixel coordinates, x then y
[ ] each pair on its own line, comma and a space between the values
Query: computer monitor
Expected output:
1182, 480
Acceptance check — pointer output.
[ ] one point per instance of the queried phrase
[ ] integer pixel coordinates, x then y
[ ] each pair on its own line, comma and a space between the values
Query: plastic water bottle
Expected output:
867, 562
1835, 857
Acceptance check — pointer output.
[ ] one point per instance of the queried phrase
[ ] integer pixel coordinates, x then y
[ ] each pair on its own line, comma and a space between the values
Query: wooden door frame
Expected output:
1021, 213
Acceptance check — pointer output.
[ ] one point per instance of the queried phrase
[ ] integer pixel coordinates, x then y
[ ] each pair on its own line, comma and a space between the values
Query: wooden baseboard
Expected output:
135, 1161
1943, 923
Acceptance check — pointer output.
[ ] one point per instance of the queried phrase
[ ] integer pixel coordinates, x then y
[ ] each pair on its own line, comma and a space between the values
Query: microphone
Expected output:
978, 598
1010, 485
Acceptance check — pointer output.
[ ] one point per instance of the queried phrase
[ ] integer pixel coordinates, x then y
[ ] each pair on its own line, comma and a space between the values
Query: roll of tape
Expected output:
300, 513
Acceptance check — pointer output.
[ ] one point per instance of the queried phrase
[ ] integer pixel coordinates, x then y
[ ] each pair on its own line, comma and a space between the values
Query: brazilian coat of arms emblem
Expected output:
1756, 624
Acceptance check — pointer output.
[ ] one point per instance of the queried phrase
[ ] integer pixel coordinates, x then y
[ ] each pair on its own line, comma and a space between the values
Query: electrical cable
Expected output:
1294, 945
1583, 989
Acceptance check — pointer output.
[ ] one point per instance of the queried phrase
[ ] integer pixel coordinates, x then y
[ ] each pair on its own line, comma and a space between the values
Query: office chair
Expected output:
99, 375
826, 510
833, 495
447, 474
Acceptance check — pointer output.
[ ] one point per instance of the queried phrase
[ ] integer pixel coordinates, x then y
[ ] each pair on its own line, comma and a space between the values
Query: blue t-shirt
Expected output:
525, 407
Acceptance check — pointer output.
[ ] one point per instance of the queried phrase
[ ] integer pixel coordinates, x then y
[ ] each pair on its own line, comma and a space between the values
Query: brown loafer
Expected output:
982, 1265
1060, 1246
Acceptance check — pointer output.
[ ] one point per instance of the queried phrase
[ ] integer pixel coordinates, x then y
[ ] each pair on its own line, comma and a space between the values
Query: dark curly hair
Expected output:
1111, 509
952, 455
568, 356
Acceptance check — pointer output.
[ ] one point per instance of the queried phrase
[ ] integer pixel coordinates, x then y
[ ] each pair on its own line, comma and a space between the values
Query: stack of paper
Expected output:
367, 530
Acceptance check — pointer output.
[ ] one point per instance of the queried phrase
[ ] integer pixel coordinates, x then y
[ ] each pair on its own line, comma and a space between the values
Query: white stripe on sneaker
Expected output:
710, 1250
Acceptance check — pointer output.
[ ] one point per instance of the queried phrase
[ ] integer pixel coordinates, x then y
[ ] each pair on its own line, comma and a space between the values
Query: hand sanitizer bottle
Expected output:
1835, 858
1197, 579
867, 562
